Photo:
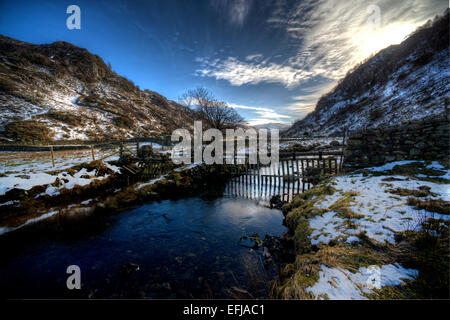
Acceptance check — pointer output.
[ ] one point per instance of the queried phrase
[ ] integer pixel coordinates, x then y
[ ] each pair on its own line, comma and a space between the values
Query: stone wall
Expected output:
424, 139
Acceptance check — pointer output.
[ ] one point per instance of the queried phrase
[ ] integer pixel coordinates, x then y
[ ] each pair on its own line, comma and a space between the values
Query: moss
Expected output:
302, 233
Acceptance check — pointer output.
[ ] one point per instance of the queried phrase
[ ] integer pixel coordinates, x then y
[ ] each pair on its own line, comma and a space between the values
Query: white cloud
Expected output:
254, 57
263, 115
305, 103
238, 73
335, 35
329, 38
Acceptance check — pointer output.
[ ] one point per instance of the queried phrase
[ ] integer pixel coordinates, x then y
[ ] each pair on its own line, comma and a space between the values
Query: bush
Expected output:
68, 118
123, 122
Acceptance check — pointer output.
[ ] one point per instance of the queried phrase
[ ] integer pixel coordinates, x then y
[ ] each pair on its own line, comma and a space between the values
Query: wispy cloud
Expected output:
238, 73
303, 104
263, 115
328, 37
335, 35
254, 57
236, 10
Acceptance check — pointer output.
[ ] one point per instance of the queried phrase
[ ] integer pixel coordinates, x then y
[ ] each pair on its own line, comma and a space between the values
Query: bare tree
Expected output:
216, 114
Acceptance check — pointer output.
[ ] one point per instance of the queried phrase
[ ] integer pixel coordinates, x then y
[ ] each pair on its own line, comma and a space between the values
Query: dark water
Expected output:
184, 249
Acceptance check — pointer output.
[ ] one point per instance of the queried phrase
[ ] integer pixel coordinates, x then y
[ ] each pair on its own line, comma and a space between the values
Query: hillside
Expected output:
59, 91
402, 82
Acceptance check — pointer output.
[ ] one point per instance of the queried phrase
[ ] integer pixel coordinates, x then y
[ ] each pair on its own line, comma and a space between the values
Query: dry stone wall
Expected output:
424, 139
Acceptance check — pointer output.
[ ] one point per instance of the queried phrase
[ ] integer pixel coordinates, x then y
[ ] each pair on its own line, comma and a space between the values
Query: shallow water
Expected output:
184, 249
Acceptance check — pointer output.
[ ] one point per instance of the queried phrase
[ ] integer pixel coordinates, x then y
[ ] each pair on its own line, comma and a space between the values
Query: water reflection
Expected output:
184, 249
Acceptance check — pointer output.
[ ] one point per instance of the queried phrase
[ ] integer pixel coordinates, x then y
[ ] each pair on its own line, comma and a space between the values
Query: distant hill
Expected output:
59, 91
402, 82
272, 125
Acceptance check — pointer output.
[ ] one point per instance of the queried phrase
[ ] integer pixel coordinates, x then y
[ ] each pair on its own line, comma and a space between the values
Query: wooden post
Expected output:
53, 156
259, 178
92, 152
341, 161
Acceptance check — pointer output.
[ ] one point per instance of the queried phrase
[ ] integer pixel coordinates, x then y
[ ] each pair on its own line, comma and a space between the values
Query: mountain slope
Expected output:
402, 82
59, 91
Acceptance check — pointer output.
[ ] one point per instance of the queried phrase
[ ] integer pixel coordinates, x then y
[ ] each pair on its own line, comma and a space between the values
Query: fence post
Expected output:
92, 152
53, 156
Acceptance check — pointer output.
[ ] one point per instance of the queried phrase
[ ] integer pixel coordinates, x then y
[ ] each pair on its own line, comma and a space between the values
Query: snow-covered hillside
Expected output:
402, 82
61, 92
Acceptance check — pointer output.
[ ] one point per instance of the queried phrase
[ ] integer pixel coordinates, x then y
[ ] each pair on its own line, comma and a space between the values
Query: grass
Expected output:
341, 206
431, 205
425, 249
27, 130
423, 191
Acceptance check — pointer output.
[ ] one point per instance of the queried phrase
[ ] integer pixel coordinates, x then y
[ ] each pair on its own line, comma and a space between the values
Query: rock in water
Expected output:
129, 268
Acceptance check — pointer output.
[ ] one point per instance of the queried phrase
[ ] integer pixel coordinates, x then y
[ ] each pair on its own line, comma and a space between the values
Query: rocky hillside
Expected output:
402, 82
59, 91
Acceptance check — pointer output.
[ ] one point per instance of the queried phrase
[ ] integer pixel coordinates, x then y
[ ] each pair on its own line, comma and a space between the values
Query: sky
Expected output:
271, 60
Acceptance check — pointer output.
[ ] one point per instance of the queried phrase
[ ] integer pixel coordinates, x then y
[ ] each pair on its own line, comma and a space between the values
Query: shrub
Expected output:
123, 122
68, 118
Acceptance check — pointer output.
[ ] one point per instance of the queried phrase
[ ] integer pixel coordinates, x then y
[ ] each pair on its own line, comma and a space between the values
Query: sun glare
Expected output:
372, 41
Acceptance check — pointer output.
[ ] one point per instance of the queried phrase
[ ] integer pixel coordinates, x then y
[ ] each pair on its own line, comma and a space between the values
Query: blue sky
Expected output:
269, 59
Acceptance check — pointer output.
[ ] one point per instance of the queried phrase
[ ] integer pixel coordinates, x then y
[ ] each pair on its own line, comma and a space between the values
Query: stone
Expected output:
420, 145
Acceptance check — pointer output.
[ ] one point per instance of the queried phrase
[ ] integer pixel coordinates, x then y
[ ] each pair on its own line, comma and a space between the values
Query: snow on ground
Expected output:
306, 142
24, 170
187, 167
339, 284
390, 165
42, 217
151, 182
29, 162
383, 213
79, 178
377, 212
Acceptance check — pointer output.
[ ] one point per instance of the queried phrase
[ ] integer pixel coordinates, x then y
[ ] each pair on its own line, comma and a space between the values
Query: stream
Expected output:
186, 248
